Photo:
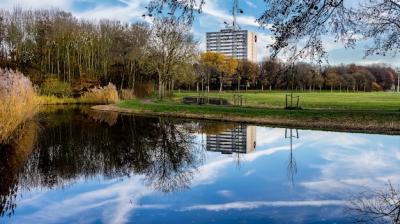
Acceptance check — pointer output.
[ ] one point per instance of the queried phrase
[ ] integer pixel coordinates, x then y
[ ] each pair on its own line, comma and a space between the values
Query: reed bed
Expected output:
18, 102
101, 95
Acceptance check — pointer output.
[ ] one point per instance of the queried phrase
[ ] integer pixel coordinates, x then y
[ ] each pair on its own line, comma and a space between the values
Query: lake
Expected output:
74, 165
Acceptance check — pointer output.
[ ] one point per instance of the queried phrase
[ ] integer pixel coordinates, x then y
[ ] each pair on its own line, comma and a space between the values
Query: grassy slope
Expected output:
317, 100
174, 107
383, 121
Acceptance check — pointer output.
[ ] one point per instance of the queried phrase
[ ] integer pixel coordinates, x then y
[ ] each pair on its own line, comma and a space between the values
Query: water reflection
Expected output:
292, 165
13, 158
91, 167
71, 146
376, 206
238, 139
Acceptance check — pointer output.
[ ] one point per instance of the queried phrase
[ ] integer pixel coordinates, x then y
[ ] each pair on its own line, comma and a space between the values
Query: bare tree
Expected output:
306, 22
171, 45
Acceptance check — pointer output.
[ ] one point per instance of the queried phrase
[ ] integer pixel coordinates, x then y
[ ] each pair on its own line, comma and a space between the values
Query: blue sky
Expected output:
214, 14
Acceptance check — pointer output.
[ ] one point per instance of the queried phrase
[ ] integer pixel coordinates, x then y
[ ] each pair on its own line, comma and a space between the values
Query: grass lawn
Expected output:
379, 121
371, 112
315, 100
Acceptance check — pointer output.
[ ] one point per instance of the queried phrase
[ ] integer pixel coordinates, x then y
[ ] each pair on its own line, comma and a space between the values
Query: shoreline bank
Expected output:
306, 121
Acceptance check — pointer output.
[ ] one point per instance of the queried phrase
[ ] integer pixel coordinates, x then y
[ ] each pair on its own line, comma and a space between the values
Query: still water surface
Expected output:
81, 166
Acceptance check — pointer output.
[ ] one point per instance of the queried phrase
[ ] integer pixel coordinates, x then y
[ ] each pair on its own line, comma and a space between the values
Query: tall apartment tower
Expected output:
240, 44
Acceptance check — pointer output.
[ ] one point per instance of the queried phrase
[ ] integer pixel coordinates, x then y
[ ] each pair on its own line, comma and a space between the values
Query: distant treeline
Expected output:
54, 44
219, 72
302, 76
62, 53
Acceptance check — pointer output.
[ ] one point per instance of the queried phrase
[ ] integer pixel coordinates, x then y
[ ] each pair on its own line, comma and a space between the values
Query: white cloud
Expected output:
250, 4
36, 4
264, 40
127, 11
211, 9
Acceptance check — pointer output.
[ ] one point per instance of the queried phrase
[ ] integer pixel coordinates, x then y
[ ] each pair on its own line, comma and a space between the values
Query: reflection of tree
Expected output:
100, 116
215, 127
71, 146
292, 165
376, 206
172, 164
12, 160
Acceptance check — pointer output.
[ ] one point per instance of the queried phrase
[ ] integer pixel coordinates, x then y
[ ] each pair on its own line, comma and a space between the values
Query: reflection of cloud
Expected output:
331, 139
225, 193
353, 163
248, 173
267, 136
123, 196
257, 204
210, 172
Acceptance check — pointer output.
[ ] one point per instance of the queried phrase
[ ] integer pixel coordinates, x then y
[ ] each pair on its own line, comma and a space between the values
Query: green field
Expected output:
367, 112
315, 100
378, 121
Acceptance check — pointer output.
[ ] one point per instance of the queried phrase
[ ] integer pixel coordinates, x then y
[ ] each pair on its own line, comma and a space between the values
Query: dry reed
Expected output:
101, 95
127, 94
18, 102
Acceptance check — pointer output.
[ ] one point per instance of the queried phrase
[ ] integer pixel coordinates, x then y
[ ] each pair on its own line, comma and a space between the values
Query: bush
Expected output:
18, 102
376, 87
143, 90
104, 95
54, 87
127, 94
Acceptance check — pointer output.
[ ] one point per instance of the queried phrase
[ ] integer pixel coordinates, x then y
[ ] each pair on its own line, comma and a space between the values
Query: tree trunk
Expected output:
208, 84
122, 80
171, 88
160, 86
220, 84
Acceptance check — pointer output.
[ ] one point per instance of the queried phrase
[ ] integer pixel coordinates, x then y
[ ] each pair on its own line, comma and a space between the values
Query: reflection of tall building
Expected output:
241, 139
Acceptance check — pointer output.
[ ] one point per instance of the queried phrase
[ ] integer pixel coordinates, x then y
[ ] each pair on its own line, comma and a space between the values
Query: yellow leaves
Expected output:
220, 62
212, 60
230, 66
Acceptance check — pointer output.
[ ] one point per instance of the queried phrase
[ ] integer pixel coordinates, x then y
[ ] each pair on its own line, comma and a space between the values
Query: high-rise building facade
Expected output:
240, 44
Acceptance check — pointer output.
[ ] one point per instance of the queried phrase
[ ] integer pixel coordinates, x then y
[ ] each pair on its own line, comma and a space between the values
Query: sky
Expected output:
215, 12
